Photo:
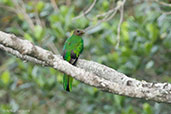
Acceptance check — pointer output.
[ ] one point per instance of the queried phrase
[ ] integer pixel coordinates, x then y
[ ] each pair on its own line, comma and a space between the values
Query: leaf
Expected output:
40, 5
20, 16
64, 10
39, 32
124, 30
7, 2
105, 4
148, 46
149, 64
153, 31
147, 108
5, 77
28, 37
119, 100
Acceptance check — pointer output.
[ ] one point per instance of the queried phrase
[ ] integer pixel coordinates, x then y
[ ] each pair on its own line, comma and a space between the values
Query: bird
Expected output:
72, 49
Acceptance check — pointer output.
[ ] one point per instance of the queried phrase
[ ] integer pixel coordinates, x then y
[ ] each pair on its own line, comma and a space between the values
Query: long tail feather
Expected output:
67, 82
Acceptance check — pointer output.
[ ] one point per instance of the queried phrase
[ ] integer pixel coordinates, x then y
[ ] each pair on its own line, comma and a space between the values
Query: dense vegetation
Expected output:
144, 53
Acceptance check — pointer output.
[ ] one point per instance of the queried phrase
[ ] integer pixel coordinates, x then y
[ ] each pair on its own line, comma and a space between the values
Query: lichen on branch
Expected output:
88, 72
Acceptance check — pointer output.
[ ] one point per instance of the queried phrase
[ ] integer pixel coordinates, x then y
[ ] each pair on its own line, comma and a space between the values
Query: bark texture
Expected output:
88, 72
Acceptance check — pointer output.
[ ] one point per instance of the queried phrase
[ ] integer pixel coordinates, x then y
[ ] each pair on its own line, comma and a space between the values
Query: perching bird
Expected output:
73, 47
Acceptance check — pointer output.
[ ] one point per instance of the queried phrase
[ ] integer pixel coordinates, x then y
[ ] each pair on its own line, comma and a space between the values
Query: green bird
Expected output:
73, 47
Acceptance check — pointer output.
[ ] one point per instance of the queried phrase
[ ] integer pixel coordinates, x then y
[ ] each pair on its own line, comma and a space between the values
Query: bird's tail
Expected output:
67, 82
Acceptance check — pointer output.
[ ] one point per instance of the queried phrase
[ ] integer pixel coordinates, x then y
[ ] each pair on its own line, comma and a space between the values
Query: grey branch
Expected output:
54, 5
87, 11
163, 3
120, 22
88, 72
108, 16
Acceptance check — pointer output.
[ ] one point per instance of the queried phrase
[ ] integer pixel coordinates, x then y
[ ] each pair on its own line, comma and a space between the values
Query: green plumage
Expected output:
72, 48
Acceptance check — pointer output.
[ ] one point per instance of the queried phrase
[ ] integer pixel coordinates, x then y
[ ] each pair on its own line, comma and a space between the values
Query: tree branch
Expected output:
163, 3
120, 22
54, 5
88, 72
86, 12
20, 9
108, 16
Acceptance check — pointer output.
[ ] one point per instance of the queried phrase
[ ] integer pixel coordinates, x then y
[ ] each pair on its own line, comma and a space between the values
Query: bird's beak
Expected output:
82, 32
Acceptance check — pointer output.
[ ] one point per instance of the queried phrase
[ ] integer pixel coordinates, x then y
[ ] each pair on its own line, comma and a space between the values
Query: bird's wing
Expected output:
72, 48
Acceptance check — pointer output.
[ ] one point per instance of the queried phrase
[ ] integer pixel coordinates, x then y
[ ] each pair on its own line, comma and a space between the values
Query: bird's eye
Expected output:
78, 31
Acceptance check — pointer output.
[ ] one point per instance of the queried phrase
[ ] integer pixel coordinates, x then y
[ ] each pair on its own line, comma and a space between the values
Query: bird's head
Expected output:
78, 32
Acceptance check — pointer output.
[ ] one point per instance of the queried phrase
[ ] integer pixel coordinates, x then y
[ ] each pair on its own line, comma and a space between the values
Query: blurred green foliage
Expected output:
144, 53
